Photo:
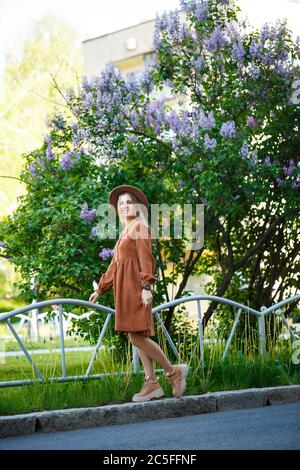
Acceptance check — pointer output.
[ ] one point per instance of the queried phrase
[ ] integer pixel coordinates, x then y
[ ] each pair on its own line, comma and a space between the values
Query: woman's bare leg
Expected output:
151, 349
147, 363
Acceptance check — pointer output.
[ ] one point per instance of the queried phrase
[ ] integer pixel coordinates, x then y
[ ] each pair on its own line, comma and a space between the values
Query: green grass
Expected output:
6, 305
19, 368
12, 345
47, 342
237, 371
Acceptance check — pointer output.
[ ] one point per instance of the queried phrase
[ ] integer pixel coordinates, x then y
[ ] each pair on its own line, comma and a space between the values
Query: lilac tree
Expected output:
242, 129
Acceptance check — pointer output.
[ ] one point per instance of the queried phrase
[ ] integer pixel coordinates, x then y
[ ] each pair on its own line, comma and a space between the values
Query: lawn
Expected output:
237, 371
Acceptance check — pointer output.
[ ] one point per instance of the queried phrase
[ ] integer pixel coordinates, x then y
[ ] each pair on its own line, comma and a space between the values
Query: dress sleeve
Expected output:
144, 252
106, 280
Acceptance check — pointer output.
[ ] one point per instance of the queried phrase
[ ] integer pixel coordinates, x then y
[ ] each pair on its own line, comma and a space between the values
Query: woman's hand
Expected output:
146, 297
93, 297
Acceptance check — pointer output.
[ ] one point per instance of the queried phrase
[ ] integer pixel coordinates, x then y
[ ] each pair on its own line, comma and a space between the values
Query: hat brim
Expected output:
114, 195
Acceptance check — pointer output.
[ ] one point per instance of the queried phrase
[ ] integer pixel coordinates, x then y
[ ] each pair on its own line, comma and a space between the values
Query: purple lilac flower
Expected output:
253, 71
65, 161
181, 183
201, 11
134, 119
81, 135
169, 22
48, 139
255, 48
174, 142
228, 129
254, 158
161, 22
232, 30
291, 167
86, 214
146, 79
106, 253
32, 169
88, 100
283, 54
206, 122
77, 154
174, 122
174, 24
154, 113
209, 144
267, 161
49, 154
58, 121
251, 122
216, 41
244, 150
279, 181
93, 233
282, 68
86, 84
156, 40
132, 139
296, 185
74, 127
69, 93
238, 51
40, 162
265, 32
198, 64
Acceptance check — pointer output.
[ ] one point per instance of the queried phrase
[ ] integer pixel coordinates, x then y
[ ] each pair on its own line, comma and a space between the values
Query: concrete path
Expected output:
267, 428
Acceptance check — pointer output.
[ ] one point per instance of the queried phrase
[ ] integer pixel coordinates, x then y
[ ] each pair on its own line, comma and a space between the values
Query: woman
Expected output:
131, 273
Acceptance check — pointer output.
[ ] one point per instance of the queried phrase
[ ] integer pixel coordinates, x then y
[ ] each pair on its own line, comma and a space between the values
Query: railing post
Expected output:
171, 343
200, 327
62, 340
280, 314
262, 331
235, 324
35, 323
23, 347
103, 331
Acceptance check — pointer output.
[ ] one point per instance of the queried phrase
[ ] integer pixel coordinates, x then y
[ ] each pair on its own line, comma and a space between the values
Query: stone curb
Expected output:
80, 418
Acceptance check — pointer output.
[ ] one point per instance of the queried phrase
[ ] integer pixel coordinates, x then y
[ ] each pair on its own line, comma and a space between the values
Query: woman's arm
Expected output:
106, 280
144, 252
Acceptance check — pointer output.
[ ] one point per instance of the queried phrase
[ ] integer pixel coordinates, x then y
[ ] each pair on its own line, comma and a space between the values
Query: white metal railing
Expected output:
261, 315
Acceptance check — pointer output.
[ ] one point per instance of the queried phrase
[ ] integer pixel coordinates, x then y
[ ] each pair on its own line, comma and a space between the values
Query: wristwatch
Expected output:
146, 286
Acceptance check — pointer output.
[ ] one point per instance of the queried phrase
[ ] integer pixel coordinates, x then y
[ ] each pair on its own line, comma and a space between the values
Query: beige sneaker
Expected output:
150, 389
177, 379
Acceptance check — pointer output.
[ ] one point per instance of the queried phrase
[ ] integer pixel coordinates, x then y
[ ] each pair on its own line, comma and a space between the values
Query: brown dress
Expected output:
132, 264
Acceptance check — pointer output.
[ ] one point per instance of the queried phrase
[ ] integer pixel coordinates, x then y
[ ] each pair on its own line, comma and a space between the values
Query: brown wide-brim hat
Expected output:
114, 194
